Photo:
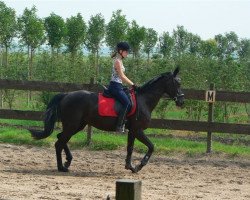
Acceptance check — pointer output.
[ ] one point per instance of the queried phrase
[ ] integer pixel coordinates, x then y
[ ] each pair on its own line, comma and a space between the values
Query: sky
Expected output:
205, 18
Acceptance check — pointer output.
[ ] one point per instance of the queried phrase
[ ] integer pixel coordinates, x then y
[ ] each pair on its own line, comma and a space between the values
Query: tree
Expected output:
233, 44
244, 58
166, 44
194, 43
244, 50
56, 31
208, 48
221, 45
95, 35
76, 33
181, 41
32, 34
8, 28
149, 41
116, 29
135, 37
229, 71
228, 45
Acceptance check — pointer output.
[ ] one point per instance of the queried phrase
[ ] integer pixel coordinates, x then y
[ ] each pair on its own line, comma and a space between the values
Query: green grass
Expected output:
19, 136
104, 141
21, 122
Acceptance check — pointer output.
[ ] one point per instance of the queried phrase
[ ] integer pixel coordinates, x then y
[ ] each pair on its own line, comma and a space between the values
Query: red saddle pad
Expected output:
106, 106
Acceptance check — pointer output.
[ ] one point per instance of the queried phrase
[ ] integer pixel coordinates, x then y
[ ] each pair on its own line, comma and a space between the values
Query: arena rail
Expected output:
210, 126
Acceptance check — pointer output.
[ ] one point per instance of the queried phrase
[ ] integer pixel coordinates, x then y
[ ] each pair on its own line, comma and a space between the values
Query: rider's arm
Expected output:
121, 74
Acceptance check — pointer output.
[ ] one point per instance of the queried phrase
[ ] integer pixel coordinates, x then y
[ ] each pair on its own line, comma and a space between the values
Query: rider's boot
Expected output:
121, 120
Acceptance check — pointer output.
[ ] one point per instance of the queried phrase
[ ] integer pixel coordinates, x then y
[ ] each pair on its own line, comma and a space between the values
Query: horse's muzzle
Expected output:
179, 100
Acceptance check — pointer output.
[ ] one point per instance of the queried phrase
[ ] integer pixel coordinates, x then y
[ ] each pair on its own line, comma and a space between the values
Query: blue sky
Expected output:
206, 18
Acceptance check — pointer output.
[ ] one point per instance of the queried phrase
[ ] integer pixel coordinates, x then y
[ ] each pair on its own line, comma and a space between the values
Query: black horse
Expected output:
80, 108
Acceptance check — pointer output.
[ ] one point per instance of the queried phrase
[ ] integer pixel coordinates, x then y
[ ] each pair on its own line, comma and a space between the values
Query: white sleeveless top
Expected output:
115, 77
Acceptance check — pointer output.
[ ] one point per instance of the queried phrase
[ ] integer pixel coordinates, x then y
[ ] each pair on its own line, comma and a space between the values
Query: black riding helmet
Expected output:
124, 46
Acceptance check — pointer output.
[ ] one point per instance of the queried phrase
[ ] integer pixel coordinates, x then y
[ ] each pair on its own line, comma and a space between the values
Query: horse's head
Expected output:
173, 88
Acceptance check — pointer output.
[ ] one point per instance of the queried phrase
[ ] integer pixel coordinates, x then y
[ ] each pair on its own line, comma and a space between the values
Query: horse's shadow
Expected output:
49, 172
119, 173
202, 161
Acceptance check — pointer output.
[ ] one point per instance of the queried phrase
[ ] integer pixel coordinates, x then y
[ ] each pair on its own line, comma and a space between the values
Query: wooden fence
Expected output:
210, 126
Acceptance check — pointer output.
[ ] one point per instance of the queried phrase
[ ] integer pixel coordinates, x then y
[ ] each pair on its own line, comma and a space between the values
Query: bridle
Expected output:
179, 94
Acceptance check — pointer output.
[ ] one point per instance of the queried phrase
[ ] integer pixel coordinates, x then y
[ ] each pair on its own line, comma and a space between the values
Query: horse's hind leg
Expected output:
60, 145
68, 154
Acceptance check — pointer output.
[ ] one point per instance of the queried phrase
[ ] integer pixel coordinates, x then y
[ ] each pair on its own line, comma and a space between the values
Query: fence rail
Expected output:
202, 126
241, 97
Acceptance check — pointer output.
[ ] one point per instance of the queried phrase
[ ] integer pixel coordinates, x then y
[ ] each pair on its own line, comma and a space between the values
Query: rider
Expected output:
117, 79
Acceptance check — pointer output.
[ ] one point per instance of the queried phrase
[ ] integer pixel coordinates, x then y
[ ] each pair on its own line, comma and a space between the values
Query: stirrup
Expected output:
120, 129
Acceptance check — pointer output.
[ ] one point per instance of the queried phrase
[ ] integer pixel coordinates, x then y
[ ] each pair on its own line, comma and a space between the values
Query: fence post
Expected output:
90, 130
210, 118
128, 189
1, 64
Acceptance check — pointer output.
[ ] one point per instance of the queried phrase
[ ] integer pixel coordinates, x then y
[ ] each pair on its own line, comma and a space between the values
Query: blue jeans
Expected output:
116, 90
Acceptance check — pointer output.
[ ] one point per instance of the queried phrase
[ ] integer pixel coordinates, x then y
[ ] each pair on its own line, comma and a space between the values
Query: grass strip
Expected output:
105, 141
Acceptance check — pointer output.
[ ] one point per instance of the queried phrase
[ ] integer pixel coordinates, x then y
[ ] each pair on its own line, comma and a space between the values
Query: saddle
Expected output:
109, 107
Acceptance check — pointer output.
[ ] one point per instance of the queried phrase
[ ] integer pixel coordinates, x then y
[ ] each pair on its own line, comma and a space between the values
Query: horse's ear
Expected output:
176, 71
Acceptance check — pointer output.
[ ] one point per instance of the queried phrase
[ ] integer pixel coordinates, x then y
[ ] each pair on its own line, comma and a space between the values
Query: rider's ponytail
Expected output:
113, 54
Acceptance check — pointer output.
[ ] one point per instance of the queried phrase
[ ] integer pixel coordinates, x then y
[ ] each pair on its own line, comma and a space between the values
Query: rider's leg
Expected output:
123, 98
117, 91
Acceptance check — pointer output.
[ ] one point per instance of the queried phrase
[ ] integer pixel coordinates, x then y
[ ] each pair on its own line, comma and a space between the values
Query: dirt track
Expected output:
29, 173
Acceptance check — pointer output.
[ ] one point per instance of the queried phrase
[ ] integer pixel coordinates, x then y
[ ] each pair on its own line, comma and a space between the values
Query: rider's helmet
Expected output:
124, 46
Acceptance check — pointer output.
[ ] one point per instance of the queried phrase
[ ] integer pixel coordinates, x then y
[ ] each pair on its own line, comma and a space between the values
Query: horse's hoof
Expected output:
67, 164
130, 167
137, 168
134, 171
63, 169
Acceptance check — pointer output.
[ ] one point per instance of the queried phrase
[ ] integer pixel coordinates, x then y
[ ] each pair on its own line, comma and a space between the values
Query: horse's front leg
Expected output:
140, 135
130, 148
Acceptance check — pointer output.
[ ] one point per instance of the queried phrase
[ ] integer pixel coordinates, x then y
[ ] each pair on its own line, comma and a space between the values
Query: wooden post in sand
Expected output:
128, 189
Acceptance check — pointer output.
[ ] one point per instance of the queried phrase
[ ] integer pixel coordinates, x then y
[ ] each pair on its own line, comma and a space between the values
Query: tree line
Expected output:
74, 34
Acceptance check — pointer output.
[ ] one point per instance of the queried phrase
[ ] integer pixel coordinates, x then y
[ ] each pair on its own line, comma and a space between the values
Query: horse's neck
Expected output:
153, 94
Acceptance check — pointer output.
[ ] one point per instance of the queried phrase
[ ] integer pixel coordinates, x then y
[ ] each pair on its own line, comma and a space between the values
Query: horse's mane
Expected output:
153, 80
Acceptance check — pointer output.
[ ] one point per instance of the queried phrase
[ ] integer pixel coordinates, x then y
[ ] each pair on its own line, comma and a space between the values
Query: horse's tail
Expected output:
51, 116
